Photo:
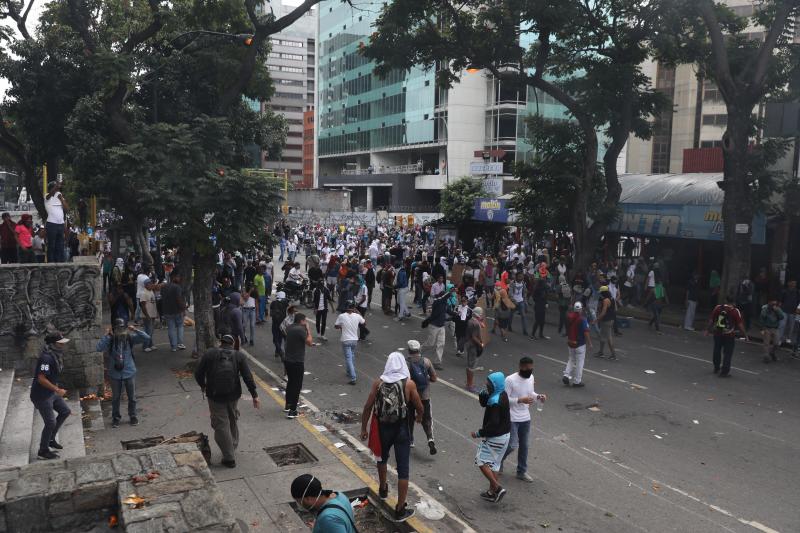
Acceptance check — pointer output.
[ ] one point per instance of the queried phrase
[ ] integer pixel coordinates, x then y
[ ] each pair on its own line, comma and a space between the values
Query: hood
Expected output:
498, 382
395, 368
236, 298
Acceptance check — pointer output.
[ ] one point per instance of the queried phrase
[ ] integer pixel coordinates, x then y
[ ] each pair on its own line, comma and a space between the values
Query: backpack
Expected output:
724, 324
117, 357
419, 374
390, 403
225, 377
278, 310
224, 326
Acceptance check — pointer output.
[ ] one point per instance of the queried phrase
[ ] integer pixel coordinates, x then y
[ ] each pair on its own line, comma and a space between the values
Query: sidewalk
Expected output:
257, 490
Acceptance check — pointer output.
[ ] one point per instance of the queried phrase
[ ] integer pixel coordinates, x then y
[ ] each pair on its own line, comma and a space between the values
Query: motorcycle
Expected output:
302, 294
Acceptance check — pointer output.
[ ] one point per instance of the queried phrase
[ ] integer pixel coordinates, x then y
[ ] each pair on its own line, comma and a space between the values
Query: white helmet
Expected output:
578, 306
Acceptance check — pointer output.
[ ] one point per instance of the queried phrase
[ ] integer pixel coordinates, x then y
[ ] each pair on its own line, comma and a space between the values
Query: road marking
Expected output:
596, 373
752, 523
344, 458
701, 360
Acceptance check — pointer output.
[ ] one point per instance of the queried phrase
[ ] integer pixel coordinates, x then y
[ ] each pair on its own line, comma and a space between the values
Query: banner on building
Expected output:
491, 210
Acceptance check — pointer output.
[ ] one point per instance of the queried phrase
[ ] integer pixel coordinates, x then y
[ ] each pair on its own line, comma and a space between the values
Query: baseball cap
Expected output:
578, 306
281, 295
55, 338
413, 346
604, 288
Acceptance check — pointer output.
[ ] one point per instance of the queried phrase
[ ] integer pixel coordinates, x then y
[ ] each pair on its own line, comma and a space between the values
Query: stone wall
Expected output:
66, 295
77, 494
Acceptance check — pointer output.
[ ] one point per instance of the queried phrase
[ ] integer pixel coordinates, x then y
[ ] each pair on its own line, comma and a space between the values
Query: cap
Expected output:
55, 338
478, 311
350, 304
413, 346
280, 295
227, 339
119, 323
578, 306
604, 288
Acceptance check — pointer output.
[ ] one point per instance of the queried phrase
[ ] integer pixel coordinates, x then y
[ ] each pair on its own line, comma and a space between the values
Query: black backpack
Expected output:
224, 326
419, 374
278, 310
225, 374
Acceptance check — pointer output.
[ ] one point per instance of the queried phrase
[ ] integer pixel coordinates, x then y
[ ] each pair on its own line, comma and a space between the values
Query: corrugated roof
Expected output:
676, 189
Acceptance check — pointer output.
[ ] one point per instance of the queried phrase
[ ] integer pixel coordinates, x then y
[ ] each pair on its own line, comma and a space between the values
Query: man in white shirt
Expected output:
295, 277
141, 281
56, 206
521, 394
348, 323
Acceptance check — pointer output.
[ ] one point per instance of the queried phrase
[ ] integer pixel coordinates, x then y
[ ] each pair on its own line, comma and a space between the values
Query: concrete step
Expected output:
6, 381
15, 439
70, 436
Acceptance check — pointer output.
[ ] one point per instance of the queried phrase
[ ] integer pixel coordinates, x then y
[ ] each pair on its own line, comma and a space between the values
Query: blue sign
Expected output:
491, 210
702, 222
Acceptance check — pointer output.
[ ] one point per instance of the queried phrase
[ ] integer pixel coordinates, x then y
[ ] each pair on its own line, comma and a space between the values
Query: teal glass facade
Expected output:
358, 111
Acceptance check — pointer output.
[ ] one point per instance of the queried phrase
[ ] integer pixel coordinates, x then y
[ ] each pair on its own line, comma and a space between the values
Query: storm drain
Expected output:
290, 454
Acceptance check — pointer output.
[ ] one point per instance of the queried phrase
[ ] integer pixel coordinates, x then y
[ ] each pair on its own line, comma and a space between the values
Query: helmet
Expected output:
578, 306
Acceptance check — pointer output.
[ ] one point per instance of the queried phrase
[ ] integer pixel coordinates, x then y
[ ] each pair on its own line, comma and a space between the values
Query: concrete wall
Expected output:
320, 200
64, 295
466, 122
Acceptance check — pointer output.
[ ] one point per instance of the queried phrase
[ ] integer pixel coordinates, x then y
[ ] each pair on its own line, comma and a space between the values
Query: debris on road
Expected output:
695, 421
649, 371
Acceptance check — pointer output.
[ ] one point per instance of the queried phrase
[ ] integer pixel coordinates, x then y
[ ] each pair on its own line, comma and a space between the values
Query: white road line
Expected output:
698, 359
594, 372
363, 449
757, 525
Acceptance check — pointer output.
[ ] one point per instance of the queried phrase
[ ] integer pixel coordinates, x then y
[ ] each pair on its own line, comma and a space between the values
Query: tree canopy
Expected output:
458, 199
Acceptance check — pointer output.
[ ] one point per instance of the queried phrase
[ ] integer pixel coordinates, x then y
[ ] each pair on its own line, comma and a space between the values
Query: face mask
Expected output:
303, 497
526, 373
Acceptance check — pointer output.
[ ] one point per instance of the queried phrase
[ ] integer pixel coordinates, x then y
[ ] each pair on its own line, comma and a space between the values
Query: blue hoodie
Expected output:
498, 381
497, 415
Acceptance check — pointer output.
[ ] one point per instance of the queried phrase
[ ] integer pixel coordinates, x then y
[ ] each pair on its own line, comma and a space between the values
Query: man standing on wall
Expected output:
56, 206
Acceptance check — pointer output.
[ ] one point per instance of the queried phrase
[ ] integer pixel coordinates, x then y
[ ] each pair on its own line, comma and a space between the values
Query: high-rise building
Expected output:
396, 142
308, 148
291, 64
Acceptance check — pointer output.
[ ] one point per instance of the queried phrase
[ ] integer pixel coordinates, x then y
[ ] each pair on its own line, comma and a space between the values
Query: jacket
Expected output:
233, 314
125, 349
204, 373
496, 418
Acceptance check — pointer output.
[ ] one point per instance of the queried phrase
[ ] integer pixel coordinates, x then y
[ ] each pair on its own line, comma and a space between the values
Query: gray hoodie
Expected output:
234, 315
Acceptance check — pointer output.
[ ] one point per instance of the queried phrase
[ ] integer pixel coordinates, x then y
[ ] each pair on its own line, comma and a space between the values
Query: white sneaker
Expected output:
149, 349
181, 347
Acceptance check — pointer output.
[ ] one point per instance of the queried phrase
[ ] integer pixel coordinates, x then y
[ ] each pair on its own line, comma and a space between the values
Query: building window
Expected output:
715, 120
710, 144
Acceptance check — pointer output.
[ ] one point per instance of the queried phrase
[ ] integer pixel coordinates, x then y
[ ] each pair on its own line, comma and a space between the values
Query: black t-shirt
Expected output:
47, 366
170, 299
296, 335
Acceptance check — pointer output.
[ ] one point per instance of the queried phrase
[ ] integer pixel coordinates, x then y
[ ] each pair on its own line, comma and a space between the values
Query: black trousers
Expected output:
427, 420
723, 349
362, 329
322, 318
294, 383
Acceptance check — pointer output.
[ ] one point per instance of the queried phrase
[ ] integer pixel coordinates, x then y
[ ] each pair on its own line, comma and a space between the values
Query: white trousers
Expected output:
574, 368
435, 338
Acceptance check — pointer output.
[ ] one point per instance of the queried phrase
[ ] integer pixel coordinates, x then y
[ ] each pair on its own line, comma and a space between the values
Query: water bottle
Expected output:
539, 404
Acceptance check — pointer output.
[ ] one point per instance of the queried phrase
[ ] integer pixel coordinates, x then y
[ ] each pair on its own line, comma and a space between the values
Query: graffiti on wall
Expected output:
33, 298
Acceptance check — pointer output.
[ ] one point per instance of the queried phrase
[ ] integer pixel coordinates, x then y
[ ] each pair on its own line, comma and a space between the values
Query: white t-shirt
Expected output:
516, 290
249, 303
349, 323
361, 298
141, 280
149, 298
55, 211
651, 279
518, 387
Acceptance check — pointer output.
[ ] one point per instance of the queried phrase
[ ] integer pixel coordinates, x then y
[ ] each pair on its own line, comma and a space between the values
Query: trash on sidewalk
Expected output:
134, 501
431, 509
594, 408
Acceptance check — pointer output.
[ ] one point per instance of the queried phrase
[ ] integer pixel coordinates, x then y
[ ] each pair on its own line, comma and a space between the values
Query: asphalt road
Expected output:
674, 450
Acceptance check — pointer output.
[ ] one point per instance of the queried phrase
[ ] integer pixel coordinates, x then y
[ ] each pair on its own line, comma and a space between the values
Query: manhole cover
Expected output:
290, 454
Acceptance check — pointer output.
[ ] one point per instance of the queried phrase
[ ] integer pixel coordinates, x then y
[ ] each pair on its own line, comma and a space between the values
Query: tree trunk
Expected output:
737, 208
201, 291
140, 241
33, 186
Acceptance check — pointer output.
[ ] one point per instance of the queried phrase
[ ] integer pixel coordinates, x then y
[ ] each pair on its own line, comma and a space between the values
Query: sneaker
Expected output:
565, 380
134, 421
286, 409
181, 347
115, 423
524, 477
229, 464
47, 454
55, 445
351, 382
499, 495
291, 414
383, 492
600, 354
725, 375
412, 444
438, 366
488, 495
612, 357
578, 384
544, 337
432, 447
173, 350
401, 515
148, 350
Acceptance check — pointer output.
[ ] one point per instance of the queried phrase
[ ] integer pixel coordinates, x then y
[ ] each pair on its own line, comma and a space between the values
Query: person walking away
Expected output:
401, 284
657, 299
519, 294
118, 344
692, 297
423, 374
790, 299
173, 307
770, 318
348, 323
322, 301
334, 514
744, 302
47, 394
147, 301
606, 318
725, 319
474, 346
369, 278
218, 375
437, 321
494, 434
277, 310
298, 336
387, 288
8, 240
249, 299
231, 322
388, 405
56, 206
461, 317
259, 284
362, 304
577, 339
521, 394
539, 308
564, 299
24, 231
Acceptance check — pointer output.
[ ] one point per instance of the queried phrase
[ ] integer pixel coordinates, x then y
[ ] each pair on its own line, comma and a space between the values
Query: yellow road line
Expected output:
340, 455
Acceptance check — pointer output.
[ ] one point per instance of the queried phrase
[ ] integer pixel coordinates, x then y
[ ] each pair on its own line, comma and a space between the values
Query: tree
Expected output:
458, 199
746, 71
586, 55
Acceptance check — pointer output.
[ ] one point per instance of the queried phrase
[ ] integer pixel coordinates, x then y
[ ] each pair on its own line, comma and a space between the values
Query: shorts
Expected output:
396, 435
472, 356
491, 451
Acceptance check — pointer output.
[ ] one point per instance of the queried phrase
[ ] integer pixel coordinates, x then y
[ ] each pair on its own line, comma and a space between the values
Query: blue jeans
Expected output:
175, 330
55, 243
148, 328
52, 423
249, 323
521, 309
262, 307
349, 349
520, 431
116, 395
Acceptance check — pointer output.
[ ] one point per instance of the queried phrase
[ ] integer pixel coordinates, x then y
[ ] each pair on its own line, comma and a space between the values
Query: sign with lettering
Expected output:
493, 186
478, 168
680, 221
490, 210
